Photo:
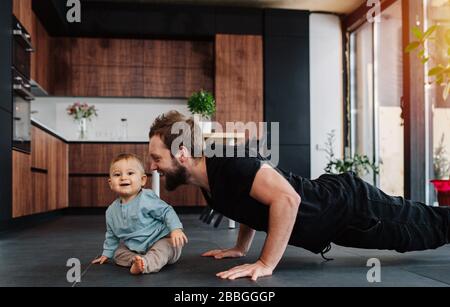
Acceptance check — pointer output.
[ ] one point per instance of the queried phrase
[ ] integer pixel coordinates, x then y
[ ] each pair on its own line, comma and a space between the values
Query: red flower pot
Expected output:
443, 191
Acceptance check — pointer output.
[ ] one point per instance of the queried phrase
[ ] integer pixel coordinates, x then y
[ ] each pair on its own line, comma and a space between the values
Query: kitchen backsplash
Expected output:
107, 126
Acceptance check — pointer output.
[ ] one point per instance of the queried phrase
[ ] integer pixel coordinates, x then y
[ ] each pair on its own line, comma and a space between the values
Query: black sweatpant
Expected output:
380, 221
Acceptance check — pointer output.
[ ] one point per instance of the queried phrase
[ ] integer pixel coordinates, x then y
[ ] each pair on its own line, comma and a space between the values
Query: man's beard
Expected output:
175, 177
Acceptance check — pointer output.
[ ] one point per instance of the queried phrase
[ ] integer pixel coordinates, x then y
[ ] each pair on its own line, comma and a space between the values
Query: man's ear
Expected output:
143, 180
182, 154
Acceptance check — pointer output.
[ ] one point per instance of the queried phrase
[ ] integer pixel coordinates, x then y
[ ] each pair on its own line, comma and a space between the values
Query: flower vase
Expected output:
82, 128
443, 191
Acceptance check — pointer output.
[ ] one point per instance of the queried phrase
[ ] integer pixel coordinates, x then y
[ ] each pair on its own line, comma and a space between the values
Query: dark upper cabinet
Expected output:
5, 55
239, 21
125, 19
140, 20
179, 21
286, 85
278, 22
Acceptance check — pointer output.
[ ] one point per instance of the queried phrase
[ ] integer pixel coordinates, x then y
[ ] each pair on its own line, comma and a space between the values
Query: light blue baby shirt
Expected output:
139, 223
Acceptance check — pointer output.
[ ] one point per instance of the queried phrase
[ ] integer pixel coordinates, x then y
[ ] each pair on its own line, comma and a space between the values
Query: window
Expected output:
376, 81
437, 13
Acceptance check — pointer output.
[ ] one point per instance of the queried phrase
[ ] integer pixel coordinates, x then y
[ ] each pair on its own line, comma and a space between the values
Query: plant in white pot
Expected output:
203, 106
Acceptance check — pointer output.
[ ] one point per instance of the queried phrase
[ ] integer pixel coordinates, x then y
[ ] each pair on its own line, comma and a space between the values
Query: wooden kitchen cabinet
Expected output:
41, 180
90, 191
57, 176
22, 200
239, 78
41, 62
131, 68
39, 192
40, 68
51, 173
62, 174
107, 81
106, 52
38, 148
95, 158
23, 11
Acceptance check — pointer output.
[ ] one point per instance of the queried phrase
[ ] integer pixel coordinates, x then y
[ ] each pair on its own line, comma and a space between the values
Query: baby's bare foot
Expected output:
138, 266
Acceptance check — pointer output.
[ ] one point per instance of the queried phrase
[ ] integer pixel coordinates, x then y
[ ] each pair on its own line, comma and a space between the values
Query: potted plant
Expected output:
441, 166
203, 106
438, 38
81, 113
360, 164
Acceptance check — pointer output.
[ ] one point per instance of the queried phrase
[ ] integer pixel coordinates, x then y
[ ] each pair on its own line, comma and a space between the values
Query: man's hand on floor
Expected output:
224, 253
254, 270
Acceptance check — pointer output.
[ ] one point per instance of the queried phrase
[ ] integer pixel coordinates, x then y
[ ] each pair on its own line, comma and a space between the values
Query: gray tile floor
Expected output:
37, 256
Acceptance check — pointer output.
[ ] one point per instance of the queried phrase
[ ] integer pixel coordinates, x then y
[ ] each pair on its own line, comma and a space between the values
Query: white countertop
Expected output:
46, 127
69, 140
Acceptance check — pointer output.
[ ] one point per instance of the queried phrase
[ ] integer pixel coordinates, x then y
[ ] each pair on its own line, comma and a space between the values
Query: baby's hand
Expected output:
178, 238
100, 260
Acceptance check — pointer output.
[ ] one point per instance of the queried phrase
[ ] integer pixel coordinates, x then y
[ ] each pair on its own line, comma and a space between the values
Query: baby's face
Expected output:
126, 177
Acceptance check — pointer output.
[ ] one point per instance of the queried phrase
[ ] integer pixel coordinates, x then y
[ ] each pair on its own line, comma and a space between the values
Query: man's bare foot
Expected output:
138, 266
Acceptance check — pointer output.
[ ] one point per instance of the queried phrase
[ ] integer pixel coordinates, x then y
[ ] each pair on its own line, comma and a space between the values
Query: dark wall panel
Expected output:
5, 165
5, 110
239, 21
5, 55
287, 87
296, 159
286, 22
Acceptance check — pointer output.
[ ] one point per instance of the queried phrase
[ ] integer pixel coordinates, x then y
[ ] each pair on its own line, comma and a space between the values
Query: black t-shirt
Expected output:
322, 212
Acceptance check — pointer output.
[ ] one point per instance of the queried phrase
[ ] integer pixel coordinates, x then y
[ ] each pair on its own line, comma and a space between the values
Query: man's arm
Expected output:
271, 189
245, 238
244, 241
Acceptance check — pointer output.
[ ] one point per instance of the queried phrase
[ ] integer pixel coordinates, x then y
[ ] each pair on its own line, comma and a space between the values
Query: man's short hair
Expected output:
162, 127
128, 156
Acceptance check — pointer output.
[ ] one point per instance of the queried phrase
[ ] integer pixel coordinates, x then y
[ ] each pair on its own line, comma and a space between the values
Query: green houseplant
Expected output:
437, 40
203, 106
202, 103
434, 45
360, 164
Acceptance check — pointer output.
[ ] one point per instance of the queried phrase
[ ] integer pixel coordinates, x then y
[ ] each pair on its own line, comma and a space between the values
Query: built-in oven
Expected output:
21, 86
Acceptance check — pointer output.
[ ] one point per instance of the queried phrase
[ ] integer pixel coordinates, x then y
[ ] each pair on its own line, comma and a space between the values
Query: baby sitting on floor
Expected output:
142, 231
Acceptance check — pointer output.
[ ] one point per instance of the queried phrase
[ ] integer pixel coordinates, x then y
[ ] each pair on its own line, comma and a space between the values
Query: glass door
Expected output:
437, 13
376, 76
